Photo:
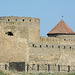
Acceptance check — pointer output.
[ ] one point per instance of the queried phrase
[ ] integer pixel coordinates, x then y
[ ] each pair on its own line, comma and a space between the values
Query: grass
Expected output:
48, 74
2, 73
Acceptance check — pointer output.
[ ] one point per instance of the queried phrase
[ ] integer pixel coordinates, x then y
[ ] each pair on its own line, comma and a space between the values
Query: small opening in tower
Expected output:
52, 46
64, 47
70, 47
40, 46
64, 39
8, 19
15, 19
9, 33
33, 45
30, 20
58, 46
23, 20
46, 45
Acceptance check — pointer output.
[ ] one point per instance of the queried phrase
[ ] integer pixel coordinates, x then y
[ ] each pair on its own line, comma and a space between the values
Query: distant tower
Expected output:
61, 29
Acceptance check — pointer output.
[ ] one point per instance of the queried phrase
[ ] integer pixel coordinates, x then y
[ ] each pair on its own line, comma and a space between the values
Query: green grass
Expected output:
48, 74
2, 73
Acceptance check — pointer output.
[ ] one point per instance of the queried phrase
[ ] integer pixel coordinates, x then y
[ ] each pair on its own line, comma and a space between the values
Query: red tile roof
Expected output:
61, 28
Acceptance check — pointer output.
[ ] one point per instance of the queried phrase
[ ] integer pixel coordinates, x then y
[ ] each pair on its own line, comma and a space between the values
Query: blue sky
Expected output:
50, 12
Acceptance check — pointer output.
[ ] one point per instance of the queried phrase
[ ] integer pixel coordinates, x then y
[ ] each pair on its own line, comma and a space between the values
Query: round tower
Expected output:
23, 27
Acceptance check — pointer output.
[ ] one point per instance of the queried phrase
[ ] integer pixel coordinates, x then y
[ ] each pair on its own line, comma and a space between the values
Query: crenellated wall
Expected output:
61, 40
26, 44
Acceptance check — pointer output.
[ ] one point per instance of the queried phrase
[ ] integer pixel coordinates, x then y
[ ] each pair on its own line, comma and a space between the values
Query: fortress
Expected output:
20, 41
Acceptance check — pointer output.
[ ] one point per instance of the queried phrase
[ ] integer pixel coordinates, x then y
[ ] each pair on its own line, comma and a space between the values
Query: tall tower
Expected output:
23, 27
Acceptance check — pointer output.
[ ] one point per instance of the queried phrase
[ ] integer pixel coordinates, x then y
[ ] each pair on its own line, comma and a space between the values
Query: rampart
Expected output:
20, 41
64, 40
52, 53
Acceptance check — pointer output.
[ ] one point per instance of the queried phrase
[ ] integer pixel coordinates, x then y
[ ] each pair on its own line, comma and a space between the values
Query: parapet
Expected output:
56, 40
39, 45
19, 19
49, 39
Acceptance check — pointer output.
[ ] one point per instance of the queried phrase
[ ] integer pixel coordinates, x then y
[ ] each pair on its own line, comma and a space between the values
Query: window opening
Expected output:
23, 20
58, 46
15, 19
70, 47
8, 19
64, 47
52, 46
30, 20
33, 45
40, 46
46, 45
9, 33
64, 39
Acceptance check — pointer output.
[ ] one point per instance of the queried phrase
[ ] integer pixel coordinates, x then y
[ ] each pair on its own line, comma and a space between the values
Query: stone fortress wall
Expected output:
62, 39
53, 50
52, 53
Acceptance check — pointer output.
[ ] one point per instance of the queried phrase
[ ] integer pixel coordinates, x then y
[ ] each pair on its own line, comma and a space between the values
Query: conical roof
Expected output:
61, 28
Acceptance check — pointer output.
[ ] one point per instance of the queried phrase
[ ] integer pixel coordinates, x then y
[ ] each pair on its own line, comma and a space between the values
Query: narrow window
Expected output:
46, 45
64, 47
33, 45
8, 19
52, 46
15, 19
64, 39
23, 20
40, 46
58, 46
30, 20
70, 47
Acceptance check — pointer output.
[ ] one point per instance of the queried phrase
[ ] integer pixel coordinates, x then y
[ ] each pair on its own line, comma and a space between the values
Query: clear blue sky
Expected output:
49, 11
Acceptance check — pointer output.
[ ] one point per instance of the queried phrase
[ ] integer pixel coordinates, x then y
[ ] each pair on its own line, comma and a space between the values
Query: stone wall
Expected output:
26, 45
52, 54
23, 27
60, 40
13, 49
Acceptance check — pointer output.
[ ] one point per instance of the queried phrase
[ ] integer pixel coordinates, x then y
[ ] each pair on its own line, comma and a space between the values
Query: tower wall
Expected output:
24, 27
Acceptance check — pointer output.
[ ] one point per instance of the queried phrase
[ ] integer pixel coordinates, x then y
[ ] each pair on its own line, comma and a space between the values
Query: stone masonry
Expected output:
20, 41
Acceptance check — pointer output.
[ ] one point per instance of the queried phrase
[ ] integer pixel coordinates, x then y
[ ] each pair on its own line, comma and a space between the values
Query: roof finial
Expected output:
62, 17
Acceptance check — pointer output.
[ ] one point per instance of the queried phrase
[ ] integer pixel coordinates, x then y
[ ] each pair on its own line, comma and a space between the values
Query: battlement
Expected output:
22, 27
19, 19
57, 40
49, 39
35, 45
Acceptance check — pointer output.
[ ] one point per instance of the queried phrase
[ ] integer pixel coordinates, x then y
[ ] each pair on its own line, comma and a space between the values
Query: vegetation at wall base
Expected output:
41, 73
48, 74
2, 73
